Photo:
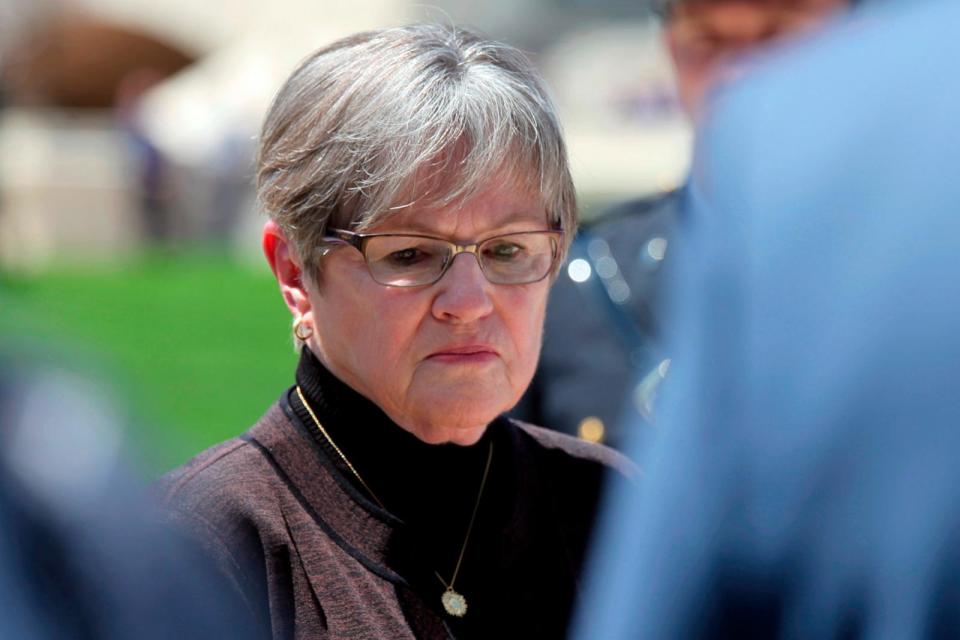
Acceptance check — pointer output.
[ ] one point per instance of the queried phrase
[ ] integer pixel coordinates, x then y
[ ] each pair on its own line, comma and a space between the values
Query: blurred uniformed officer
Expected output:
601, 354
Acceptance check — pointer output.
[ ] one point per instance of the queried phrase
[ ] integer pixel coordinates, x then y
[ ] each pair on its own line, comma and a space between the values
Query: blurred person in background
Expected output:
152, 168
604, 319
813, 491
420, 204
82, 552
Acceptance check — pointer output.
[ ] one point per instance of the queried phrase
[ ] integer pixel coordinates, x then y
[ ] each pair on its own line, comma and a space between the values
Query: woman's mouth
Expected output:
467, 354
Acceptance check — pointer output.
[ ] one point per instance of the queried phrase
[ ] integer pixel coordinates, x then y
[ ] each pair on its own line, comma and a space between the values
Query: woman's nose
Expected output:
464, 294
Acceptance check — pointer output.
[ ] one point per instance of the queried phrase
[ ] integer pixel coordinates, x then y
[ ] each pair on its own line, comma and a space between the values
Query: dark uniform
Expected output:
601, 356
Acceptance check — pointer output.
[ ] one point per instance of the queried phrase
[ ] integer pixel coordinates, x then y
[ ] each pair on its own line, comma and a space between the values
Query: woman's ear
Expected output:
286, 268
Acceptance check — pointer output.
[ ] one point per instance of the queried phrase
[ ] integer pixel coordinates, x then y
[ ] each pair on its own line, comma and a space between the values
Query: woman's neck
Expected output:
414, 480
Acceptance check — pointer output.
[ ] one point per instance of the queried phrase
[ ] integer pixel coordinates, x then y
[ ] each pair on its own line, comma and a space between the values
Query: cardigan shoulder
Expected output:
229, 477
209, 497
230, 474
229, 498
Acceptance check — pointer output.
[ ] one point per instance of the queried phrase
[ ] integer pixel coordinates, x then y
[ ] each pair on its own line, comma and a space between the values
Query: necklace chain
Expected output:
333, 444
453, 602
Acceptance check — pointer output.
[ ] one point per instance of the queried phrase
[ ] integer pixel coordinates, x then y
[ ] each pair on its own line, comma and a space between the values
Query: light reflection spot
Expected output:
598, 248
591, 429
606, 267
657, 248
579, 270
619, 291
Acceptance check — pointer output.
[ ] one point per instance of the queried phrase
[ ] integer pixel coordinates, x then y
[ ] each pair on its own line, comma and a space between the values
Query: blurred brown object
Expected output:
81, 62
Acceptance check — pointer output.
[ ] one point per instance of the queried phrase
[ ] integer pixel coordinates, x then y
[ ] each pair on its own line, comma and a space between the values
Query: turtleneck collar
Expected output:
422, 484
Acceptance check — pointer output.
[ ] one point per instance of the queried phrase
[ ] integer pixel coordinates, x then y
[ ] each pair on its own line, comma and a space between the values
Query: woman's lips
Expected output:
470, 354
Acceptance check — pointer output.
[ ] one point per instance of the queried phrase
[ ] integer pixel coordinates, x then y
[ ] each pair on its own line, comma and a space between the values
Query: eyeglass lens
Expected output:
408, 261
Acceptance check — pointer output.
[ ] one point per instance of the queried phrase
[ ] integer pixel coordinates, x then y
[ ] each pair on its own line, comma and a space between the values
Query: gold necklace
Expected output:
453, 602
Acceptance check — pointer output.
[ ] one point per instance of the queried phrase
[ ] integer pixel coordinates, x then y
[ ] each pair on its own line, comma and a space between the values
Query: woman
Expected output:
385, 496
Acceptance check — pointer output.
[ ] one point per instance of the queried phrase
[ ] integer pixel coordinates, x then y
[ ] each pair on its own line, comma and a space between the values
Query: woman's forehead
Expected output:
505, 199
490, 210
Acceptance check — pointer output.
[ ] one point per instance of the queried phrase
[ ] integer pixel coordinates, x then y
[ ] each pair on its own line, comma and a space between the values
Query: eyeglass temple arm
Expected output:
338, 236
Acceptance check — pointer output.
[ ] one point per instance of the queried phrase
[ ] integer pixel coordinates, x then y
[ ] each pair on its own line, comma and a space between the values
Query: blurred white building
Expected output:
69, 185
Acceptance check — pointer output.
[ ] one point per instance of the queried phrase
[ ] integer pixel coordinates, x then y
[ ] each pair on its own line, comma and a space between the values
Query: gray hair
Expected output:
413, 116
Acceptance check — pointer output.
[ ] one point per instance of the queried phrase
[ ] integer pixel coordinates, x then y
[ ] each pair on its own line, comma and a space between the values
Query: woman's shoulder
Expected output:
225, 500
566, 450
221, 468
230, 476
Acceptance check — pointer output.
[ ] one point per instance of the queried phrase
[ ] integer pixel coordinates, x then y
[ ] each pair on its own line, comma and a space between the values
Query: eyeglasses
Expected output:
407, 260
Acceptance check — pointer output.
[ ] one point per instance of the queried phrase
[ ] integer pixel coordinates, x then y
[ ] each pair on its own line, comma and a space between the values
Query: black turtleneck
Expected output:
432, 489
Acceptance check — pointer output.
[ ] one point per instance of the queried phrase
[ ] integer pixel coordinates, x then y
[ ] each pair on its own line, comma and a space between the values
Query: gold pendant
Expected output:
454, 603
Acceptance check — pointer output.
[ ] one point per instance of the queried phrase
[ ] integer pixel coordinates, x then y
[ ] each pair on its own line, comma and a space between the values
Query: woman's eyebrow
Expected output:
512, 221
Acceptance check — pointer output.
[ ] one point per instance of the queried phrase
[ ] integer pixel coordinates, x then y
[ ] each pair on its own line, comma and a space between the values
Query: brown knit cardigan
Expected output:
314, 558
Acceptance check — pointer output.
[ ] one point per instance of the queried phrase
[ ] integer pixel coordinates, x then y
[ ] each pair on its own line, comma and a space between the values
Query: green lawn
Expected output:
197, 344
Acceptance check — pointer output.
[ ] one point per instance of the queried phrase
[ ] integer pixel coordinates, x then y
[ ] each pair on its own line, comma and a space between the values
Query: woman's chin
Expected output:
461, 422
464, 436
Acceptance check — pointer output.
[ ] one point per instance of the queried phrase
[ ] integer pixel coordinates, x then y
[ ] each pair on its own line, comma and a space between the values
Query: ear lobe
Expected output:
286, 268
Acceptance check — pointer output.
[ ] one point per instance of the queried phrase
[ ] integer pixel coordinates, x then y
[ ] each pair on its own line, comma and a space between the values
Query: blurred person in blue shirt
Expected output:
604, 320
83, 554
806, 484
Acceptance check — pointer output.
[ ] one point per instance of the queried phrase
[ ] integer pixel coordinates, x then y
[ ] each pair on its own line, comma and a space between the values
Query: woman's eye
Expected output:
504, 251
407, 256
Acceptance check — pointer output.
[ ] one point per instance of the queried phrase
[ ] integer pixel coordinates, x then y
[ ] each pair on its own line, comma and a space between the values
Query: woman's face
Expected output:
441, 360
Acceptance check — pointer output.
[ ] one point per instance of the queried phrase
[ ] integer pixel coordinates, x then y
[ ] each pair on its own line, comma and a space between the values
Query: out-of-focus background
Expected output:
129, 234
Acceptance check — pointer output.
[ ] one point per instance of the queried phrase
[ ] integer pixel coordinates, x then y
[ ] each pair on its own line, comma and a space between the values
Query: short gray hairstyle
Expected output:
411, 116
